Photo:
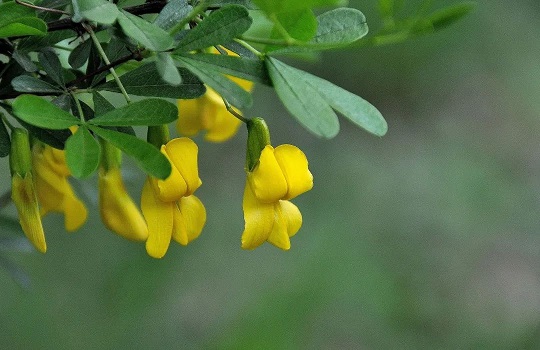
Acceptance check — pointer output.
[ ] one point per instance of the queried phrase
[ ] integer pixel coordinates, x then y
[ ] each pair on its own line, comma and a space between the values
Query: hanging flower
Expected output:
169, 206
54, 191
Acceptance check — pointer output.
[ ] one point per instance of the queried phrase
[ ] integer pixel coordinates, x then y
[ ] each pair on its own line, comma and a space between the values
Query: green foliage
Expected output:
82, 153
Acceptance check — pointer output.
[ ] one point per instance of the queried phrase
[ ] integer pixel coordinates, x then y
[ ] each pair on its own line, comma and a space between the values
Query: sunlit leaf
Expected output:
148, 34
100, 11
82, 153
42, 113
150, 111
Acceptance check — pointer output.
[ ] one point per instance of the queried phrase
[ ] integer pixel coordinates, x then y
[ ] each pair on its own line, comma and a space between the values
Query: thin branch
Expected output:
41, 8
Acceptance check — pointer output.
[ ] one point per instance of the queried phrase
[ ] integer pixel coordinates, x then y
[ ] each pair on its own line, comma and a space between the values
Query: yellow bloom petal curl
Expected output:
171, 213
118, 211
281, 174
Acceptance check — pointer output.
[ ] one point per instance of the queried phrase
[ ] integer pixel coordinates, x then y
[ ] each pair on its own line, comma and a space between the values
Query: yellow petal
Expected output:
267, 180
194, 215
247, 85
182, 153
291, 214
279, 236
225, 126
259, 220
159, 218
179, 232
189, 117
118, 212
56, 160
294, 165
172, 188
75, 212
24, 196
211, 103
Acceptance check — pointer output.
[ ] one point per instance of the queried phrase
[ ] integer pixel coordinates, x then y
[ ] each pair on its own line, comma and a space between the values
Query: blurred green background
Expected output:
426, 238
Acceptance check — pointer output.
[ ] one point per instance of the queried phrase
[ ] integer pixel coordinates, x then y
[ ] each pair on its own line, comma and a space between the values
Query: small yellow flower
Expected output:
54, 192
118, 212
281, 174
209, 113
169, 206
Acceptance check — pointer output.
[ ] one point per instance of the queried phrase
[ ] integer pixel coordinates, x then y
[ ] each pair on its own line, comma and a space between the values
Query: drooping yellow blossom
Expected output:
281, 174
169, 206
54, 191
23, 191
118, 211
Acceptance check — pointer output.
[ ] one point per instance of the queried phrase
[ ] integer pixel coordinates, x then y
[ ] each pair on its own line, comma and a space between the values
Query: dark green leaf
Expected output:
39, 42
447, 16
240, 50
82, 153
221, 26
229, 90
24, 26
152, 111
145, 81
303, 101
148, 34
101, 104
174, 12
26, 83
254, 70
79, 55
63, 102
148, 157
51, 65
42, 113
11, 11
167, 70
24, 61
5, 143
100, 11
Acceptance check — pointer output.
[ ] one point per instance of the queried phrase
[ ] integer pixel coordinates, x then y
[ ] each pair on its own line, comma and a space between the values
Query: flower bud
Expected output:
258, 138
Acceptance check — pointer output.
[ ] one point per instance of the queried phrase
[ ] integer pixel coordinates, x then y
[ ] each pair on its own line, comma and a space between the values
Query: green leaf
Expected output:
24, 26
446, 17
24, 61
300, 24
101, 104
148, 34
174, 12
52, 66
148, 157
254, 70
303, 101
79, 55
152, 111
145, 81
277, 6
38, 42
82, 153
167, 70
5, 143
303, 93
27, 83
11, 12
221, 26
42, 113
229, 90
100, 11
336, 28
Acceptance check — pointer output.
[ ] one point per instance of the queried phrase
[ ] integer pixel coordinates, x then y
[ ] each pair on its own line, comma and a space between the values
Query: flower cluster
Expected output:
169, 209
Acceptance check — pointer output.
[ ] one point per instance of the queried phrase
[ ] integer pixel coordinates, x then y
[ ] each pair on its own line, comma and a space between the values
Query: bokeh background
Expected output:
426, 238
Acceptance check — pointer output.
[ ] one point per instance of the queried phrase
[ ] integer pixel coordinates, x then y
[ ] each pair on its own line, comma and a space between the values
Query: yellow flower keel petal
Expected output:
25, 199
159, 218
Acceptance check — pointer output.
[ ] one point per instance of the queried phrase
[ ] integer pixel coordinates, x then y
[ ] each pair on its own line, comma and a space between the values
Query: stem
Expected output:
106, 60
41, 8
231, 110
79, 107
250, 48
265, 41
180, 25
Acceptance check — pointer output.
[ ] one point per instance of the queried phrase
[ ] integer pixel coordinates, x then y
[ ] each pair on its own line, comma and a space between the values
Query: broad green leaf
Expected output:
152, 111
148, 157
24, 61
174, 12
11, 12
221, 26
82, 153
42, 113
229, 90
79, 55
101, 104
167, 70
5, 143
38, 42
29, 84
24, 26
351, 106
145, 81
52, 66
254, 70
277, 6
148, 34
302, 100
300, 24
100, 11
336, 28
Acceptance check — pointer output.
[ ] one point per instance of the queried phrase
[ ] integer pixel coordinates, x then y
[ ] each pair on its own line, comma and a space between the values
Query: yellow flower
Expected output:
281, 174
208, 113
24, 196
169, 206
54, 192
118, 212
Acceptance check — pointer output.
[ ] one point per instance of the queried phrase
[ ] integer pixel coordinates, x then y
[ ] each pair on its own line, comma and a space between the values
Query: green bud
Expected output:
158, 135
258, 138
20, 159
